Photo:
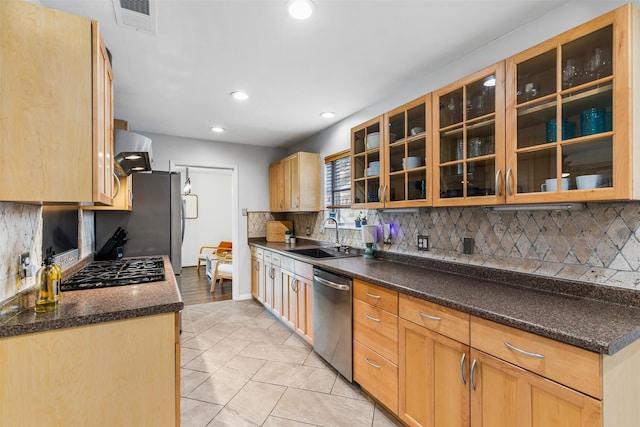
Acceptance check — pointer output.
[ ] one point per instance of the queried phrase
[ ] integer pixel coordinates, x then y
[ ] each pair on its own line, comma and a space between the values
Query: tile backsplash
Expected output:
598, 244
20, 232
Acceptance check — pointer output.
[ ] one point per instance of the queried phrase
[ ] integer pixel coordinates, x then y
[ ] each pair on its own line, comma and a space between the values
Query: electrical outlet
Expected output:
423, 243
467, 245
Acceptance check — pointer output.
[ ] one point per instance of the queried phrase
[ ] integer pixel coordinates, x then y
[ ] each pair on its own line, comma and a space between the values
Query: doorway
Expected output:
211, 211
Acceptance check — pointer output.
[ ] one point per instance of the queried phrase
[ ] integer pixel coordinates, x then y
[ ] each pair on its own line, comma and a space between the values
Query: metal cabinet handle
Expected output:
429, 317
118, 186
473, 368
297, 201
498, 192
384, 193
526, 353
464, 356
372, 364
371, 295
272, 273
379, 190
256, 266
371, 318
508, 182
295, 282
281, 204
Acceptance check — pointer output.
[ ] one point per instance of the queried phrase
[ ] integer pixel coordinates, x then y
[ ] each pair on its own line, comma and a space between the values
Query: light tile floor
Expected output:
240, 366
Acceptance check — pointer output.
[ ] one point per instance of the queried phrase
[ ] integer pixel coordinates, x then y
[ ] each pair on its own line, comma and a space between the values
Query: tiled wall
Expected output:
599, 244
20, 232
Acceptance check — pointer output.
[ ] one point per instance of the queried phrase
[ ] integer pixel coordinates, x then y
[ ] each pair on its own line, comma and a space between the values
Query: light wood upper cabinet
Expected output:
50, 69
468, 140
391, 158
294, 183
123, 185
570, 131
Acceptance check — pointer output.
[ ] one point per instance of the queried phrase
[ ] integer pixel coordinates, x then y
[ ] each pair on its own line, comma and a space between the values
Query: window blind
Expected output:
338, 180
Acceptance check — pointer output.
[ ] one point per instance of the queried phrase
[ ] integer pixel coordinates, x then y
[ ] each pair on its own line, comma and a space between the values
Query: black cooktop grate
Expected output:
128, 271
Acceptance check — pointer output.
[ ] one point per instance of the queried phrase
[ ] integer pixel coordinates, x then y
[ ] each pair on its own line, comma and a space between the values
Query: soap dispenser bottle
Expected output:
48, 284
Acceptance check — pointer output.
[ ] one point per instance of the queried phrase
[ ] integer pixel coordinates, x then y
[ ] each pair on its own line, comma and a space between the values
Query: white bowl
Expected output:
586, 182
416, 131
373, 171
373, 140
411, 162
374, 165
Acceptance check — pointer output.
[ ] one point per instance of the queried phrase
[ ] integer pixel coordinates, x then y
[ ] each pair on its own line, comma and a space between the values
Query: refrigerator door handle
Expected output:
182, 215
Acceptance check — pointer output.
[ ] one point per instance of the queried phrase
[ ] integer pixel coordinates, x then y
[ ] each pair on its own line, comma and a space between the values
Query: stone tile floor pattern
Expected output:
240, 366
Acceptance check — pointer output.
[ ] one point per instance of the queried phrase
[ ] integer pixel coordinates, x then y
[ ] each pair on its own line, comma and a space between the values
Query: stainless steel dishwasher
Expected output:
332, 336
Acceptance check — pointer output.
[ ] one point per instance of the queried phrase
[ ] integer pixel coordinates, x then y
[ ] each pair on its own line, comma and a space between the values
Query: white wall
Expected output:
252, 164
567, 16
212, 187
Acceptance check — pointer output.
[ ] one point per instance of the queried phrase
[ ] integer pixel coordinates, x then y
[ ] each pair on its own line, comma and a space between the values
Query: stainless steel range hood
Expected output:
132, 152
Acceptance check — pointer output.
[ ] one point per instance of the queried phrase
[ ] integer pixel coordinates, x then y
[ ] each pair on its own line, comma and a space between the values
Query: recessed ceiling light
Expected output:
217, 129
300, 9
132, 157
328, 114
240, 96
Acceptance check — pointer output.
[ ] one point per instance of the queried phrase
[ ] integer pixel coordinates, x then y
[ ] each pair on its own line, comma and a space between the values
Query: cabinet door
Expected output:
305, 189
367, 165
46, 105
102, 121
289, 299
276, 187
277, 298
304, 308
433, 378
468, 135
569, 134
407, 154
269, 279
256, 273
504, 395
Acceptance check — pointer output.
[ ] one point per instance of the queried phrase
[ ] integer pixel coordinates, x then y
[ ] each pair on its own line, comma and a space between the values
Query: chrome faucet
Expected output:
336, 222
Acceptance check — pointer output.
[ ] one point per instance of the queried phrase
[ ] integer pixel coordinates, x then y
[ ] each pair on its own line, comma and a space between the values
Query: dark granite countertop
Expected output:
599, 318
85, 307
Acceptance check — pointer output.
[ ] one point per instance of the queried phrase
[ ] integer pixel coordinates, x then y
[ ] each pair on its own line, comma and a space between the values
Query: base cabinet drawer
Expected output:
377, 329
377, 375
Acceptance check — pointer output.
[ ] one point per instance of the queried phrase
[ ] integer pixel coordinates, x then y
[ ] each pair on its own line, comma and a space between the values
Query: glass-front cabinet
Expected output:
568, 115
367, 164
468, 140
391, 155
407, 155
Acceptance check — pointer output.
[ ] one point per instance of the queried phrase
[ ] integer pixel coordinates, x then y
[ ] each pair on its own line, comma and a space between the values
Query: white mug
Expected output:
551, 184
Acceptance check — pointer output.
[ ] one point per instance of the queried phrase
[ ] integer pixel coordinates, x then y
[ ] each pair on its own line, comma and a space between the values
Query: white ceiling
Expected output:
346, 57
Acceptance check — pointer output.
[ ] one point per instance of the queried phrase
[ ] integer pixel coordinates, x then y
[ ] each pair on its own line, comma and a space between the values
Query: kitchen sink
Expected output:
320, 253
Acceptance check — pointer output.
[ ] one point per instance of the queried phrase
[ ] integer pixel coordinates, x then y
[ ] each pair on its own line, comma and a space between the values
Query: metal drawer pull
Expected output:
372, 296
464, 355
473, 368
526, 353
372, 364
429, 317
371, 318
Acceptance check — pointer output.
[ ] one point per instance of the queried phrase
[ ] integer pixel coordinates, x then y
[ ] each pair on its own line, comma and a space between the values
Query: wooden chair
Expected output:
223, 270
220, 249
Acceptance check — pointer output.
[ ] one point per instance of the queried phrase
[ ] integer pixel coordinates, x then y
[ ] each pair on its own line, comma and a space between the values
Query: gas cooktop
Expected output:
126, 271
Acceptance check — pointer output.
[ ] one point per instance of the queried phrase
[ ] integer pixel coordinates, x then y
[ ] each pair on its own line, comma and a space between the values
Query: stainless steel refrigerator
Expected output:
155, 226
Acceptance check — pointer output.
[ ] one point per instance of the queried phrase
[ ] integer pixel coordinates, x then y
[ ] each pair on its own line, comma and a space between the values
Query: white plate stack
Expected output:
373, 169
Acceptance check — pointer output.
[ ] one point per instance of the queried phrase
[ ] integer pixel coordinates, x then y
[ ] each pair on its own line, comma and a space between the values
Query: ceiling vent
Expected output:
139, 15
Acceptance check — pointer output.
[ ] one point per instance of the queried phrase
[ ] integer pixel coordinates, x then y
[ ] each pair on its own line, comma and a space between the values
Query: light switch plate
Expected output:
423, 243
244, 211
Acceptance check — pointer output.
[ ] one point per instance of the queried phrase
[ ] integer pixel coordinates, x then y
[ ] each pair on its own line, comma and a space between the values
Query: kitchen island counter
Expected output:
598, 318
85, 307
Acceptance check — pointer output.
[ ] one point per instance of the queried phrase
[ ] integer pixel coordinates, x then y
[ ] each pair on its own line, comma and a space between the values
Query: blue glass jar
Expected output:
592, 121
